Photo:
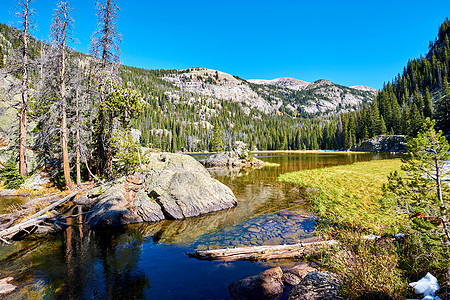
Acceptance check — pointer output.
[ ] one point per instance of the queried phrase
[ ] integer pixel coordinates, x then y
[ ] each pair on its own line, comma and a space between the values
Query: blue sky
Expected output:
347, 42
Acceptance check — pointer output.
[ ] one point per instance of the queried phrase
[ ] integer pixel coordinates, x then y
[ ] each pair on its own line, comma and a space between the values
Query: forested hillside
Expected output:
420, 91
176, 120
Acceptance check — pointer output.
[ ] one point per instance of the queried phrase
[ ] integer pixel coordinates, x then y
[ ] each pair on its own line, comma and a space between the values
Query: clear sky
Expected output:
348, 42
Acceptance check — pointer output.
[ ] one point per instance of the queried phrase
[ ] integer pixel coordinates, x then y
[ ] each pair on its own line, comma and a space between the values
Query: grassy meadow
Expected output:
351, 195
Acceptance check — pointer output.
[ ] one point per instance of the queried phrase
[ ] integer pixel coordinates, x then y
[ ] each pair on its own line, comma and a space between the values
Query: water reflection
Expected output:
149, 261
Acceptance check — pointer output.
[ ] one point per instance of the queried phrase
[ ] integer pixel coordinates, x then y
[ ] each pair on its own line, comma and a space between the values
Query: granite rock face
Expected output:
171, 186
382, 143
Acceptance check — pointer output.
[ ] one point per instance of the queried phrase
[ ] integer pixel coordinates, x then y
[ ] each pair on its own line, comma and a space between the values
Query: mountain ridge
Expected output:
289, 95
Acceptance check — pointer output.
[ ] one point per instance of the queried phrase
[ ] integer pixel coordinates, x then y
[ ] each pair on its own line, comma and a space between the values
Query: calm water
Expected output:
149, 260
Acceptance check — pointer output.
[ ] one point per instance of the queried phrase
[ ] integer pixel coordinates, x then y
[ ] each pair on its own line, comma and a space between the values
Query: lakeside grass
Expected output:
270, 164
351, 195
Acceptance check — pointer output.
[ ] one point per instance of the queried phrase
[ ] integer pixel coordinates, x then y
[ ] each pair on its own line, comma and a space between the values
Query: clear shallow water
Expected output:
149, 261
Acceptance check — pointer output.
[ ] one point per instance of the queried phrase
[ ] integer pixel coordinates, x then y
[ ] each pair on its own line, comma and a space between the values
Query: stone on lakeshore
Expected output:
382, 143
170, 186
230, 160
317, 285
265, 285
294, 275
36, 181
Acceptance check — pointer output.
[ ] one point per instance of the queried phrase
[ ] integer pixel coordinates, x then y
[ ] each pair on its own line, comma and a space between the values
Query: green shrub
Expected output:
367, 267
11, 176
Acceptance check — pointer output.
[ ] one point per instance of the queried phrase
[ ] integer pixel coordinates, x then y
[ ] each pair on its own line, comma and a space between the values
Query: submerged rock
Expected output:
265, 285
317, 285
382, 143
171, 186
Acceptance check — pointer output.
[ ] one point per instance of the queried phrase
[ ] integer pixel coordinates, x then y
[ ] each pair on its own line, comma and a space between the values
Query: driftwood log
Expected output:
299, 250
34, 219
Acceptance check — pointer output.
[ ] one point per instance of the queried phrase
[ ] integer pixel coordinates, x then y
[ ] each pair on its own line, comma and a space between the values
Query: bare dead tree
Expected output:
61, 31
24, 13
104, 46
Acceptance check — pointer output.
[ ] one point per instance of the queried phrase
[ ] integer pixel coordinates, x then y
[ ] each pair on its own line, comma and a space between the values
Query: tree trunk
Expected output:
100, 134
255, 253
78, 159
65, 150
24, 104
109, 166
36, 218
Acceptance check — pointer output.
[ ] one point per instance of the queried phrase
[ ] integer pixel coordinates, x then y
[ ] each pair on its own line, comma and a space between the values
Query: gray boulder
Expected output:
265, 285
230, 160
317, 286
170, 186
382, 143
294, 275
36, 181
222, 160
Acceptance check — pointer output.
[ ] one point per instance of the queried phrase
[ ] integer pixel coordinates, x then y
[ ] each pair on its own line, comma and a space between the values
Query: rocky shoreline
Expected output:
382, 143
230, 159
306, 282
169, 186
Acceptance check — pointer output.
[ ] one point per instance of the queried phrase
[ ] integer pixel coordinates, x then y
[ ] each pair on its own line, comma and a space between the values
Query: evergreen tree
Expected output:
217, 144
416, 120
10, 175
104, 46
382, 127
428, 105
443, 109
2, 58
421, 192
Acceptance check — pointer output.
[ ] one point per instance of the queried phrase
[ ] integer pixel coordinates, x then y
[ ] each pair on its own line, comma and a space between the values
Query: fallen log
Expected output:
299, 250
35, 218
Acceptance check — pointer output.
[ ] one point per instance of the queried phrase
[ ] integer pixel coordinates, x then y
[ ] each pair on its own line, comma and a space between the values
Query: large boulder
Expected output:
230, 159
265, 285
222, 160
317, 285
36, 181
170, 186
382, 143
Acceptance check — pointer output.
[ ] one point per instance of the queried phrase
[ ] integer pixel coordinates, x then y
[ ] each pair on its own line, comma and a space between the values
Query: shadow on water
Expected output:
145, 261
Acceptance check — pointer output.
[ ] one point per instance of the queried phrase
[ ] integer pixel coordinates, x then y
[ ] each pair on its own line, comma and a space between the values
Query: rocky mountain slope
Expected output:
282, 95
219, 85
286, 82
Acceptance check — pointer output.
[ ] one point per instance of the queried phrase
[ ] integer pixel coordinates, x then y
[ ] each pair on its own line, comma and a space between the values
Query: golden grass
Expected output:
352, 194
269, 164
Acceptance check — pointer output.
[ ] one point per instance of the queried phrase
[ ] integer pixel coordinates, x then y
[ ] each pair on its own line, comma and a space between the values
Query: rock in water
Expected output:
265, 285
382, 143
222, 160
317, 285
294, 275
230, 160
171, 186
